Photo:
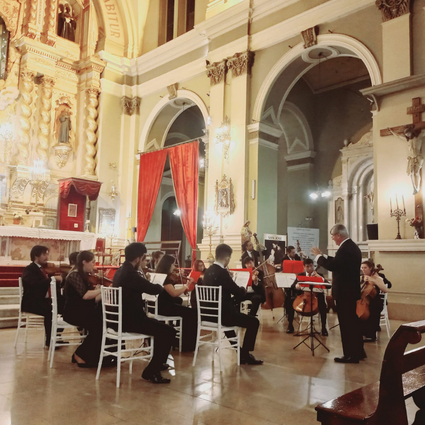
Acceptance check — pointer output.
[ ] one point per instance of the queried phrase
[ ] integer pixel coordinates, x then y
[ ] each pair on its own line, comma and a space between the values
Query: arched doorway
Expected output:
173, 122
309, 105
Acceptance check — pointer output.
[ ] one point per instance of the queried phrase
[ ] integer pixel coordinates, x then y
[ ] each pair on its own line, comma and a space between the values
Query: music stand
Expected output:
312, 332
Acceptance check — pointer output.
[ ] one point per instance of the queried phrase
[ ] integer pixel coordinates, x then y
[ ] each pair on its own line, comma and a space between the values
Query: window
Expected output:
170, 20
190, 14
176, 18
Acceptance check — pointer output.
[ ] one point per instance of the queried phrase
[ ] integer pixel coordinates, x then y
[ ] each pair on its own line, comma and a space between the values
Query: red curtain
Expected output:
150, 176
184, 162
84, 187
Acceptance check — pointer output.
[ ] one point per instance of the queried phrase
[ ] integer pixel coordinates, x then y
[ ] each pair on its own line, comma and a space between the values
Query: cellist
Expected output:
370, 278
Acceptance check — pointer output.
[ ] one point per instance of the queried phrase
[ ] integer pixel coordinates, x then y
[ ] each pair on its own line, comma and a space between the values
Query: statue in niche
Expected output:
64, 126
66, 22
415, 160
339, 211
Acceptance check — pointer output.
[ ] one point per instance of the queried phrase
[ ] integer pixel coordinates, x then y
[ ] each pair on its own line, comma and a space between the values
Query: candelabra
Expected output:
397, 213
210, 229
222, 136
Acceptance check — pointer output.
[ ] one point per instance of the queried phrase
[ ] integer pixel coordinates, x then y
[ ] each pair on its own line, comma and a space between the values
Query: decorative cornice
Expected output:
310, 36
130, 105
172, 91
216, 72
240, 63
392, 9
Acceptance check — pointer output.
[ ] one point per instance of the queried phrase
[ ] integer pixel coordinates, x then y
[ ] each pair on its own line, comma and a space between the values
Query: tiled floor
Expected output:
284, 390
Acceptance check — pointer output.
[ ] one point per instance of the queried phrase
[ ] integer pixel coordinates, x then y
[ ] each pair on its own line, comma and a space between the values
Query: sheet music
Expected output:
241, 278
285, 280
158, 278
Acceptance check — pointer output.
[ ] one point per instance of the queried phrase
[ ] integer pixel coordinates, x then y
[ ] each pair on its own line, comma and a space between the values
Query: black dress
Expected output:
371, 325
171, 306
85, 314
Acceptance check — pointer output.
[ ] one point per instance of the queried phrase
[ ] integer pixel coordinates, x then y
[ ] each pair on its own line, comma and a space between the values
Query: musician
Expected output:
250, 252
198, 266
370, 275
291, 254
218, 275
36, 284
170, 303
155, 259
134, 318
276, 254
297, 290
258, 296
82, 309
345, 268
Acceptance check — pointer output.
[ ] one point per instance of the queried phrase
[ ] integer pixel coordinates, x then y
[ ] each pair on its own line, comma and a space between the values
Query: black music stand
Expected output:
312, 332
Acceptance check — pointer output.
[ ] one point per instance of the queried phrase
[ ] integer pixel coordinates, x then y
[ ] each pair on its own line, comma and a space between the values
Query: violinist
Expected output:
370, 278
258, 294
249, 252
155, 259
36, 283
320, 294
82, 309
198, 266
170, 303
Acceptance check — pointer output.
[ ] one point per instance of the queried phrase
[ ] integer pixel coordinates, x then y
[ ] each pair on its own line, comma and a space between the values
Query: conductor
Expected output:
345, 268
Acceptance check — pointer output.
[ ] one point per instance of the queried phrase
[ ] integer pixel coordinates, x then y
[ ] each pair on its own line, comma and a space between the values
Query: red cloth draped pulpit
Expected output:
73, 193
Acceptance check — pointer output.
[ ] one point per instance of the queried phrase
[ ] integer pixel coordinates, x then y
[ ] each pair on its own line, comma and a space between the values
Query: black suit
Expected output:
134, 318
345, 268
230, 316
36, 286
255, 255
289, 293
286, 257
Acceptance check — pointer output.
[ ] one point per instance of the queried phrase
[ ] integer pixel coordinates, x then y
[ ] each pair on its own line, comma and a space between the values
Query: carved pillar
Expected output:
27, 87
51, 22
46, 113
240, 63
91, 113
216, 72
35, 13
130, 105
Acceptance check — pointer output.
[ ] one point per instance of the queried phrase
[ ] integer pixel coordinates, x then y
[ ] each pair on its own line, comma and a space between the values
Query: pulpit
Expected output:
74, 195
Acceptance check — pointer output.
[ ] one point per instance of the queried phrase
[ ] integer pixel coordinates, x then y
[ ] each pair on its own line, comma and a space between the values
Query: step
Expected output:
8, 322
9, 291
9, 310
9, 283
9, 299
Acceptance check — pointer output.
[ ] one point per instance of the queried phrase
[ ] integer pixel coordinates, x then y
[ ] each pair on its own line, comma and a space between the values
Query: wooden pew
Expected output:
383, 402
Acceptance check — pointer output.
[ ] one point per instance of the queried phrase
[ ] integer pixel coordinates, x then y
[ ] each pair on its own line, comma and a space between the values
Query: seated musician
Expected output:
134, 318
370, 276
36, 298
320, 294
218, 275
82, 309
291, 254
170, 303
248, 251
155, 259
258, 294
198, 266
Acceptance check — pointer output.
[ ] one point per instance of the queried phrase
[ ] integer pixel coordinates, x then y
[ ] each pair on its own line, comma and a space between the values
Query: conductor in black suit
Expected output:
36, 283
218, 275
250, 252
345, 268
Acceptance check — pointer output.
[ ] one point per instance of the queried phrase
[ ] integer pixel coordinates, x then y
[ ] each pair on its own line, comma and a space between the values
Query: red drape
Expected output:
84, 187
184, 163
150, 176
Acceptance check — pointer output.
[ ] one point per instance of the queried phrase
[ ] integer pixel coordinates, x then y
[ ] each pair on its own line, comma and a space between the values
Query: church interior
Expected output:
189, 125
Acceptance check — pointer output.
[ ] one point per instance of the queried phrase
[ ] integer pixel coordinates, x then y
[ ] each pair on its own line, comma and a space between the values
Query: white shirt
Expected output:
324, 255
219, 264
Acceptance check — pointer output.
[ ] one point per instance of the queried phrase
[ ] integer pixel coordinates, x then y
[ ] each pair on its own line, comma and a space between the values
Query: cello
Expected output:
369, 292
275, 296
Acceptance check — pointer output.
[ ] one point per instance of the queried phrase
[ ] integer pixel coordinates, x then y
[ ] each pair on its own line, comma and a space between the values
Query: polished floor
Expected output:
284, 390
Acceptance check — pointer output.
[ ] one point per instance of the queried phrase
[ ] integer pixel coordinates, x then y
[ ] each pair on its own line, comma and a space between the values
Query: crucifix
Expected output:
411, 133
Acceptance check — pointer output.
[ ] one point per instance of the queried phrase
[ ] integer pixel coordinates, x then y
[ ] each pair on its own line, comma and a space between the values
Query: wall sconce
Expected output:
222, 137
319, 194
113, 193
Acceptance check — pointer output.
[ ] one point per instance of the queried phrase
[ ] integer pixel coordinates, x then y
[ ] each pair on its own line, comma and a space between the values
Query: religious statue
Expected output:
65, 126
224, 198
66, 22
415, 159
246, 233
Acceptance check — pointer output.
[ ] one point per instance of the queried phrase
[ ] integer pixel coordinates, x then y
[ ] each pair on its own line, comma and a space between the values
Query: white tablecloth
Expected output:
87, 240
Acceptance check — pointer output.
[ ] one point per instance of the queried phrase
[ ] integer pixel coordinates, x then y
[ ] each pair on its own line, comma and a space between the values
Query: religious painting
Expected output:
72, 210
224, 198
339, 211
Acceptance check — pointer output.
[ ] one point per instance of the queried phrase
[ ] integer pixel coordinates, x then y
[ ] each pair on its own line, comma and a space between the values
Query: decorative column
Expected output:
35, 19
51, 22
27, 87
91, 113
47, 84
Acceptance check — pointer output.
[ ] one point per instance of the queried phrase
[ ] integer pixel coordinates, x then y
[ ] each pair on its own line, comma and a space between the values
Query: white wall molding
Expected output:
300, 155
397, 245
265, 143
299, 167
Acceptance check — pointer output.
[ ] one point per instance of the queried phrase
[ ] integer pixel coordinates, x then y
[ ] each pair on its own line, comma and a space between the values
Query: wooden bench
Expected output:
383, 402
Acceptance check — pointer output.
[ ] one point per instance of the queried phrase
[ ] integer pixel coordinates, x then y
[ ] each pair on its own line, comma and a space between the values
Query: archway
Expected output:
312, 96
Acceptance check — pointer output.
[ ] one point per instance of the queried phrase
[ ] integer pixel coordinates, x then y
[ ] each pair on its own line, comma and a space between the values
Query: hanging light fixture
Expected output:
222, 137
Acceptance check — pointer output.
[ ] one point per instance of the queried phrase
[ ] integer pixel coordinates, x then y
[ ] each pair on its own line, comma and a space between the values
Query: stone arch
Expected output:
348, 46
158, 108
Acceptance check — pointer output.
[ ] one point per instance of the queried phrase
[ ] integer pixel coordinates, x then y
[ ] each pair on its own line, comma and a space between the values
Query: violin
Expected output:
95, 278
369, 292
